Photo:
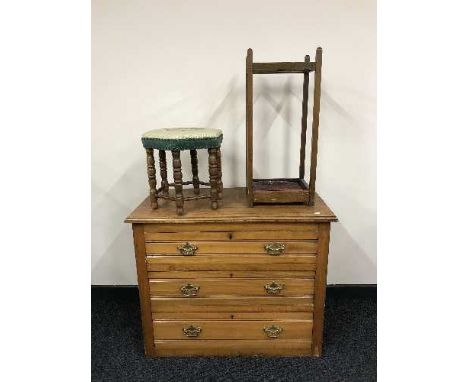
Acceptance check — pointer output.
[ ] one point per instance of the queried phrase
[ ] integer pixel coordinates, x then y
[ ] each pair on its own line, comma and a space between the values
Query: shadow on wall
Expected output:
277, 113
348, 261
113, 252
353, 245
228, 117
326, 99
279, 99
353, 240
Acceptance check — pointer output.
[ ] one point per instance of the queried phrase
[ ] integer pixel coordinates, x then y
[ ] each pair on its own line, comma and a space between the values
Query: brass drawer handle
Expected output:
189, 290
275, 249
192, 331
273, 331
274, 288
187, 249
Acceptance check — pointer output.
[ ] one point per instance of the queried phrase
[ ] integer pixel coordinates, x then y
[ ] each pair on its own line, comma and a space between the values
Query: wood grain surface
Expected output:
234, 304
230, 271
231, 263
227, 235
307, 273
234, 210
284, 316
231, 287
143, 288
236, 247
186, 348
232, 330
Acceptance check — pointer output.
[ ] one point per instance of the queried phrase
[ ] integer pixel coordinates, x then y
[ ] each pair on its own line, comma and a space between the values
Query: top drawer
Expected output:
228, 232
240, 247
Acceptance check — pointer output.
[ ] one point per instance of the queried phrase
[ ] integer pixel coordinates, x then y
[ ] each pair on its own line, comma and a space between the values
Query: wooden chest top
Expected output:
234, 209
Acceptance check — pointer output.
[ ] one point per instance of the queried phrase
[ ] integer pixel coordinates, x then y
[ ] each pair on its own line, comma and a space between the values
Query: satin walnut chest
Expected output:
233, 281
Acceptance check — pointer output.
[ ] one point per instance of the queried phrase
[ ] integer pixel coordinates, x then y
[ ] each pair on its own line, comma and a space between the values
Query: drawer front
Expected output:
230, 235
193, 288
232, 330
231, 289
233, 304
246, 231
186, 348
273, 248
231, 263
271, 316
302, 274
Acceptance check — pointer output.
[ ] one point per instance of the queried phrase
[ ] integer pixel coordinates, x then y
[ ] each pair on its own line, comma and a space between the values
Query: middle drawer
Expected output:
228, 287
225, 262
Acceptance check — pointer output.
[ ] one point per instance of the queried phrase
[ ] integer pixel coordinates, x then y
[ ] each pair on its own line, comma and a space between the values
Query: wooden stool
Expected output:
176, 140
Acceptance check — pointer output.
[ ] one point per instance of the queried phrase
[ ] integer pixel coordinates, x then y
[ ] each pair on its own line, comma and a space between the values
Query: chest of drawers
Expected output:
234, 281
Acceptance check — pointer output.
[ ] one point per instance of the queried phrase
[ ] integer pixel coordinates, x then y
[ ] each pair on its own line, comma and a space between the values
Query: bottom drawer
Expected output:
233, 330
185, 348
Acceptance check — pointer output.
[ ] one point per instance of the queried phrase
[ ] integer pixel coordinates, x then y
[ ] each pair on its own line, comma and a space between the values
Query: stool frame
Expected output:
215, 183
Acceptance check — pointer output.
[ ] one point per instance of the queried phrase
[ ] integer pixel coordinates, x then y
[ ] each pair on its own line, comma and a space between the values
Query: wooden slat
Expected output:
232, 274
275, 197
231, 287
305, 103
231, 263
244, 304
282, 67
230, 236
315, 124
237, 247
232, 316
232, 330
231, 227
184, 348
249, 125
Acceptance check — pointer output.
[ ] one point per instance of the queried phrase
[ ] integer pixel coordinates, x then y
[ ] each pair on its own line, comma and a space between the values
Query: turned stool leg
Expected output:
213, 169
163, 170
196, 181
151, 178
177, 169
220, 176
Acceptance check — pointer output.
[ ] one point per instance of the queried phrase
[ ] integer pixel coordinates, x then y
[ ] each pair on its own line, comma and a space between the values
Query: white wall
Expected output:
182, 63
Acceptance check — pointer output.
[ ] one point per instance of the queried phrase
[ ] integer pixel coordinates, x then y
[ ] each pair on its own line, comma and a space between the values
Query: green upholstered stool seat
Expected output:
188, 138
